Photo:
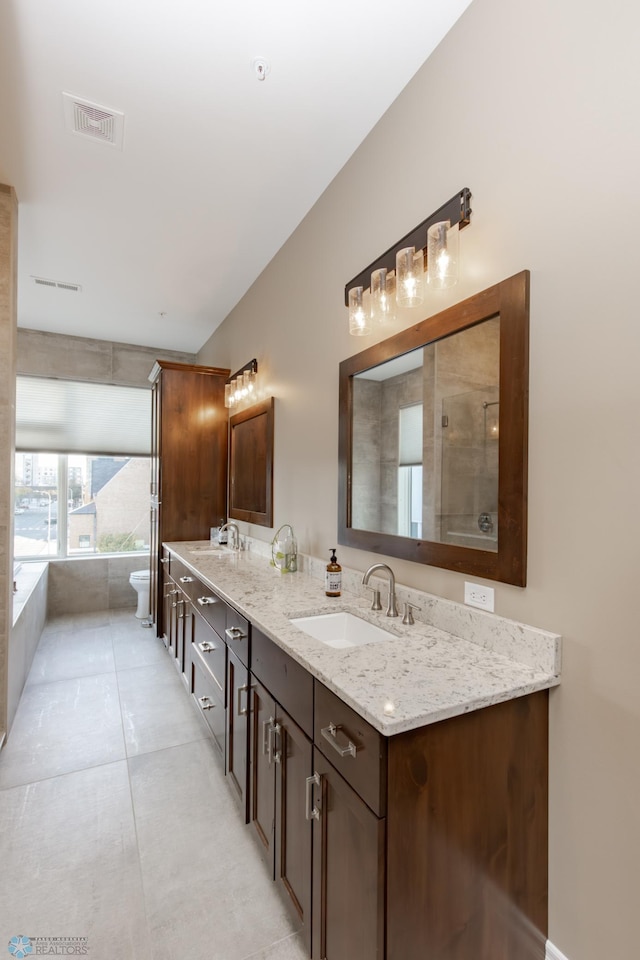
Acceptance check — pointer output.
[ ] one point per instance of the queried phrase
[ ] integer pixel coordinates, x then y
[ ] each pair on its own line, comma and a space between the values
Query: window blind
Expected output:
70, 416
410, 440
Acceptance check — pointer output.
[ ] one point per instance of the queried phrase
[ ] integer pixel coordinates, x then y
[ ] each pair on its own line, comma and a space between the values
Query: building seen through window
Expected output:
70, 504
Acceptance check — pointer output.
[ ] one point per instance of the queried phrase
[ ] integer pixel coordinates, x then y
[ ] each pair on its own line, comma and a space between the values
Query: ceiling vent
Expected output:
90, 120
42, 282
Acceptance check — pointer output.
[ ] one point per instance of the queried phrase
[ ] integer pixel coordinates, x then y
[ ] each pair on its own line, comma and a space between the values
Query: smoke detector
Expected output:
90, 120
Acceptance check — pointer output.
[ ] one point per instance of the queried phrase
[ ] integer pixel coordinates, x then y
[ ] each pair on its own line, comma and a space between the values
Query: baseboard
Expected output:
552, 953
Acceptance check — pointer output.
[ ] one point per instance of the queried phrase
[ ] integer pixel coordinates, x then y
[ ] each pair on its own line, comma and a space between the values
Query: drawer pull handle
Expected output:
311, 812
329, 733
206, 647
266, 737
164, 559
275, 756
242, 712
235, 633
186, 579
205, 703
176, 604
207, 601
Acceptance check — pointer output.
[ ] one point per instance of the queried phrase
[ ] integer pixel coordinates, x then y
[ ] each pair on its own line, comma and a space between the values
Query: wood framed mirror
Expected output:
433, 439
251, 464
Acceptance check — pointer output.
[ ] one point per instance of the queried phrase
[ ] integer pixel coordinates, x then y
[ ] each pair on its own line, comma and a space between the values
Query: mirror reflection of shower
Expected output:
469, 436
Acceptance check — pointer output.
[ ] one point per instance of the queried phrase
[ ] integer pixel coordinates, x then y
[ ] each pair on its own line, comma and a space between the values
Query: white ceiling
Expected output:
217, 167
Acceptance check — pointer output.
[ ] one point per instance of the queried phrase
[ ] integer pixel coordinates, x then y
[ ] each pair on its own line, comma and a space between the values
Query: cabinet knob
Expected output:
207, 601
186, 579
235, 633
205, 703
206, 646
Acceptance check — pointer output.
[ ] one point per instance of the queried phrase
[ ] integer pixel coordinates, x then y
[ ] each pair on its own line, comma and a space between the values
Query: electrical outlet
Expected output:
475, 595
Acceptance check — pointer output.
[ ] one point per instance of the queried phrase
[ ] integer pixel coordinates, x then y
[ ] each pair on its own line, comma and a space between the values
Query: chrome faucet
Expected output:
392, 606
233, 527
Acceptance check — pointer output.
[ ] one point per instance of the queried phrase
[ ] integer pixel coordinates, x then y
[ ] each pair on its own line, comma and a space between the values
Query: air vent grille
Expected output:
42, 282
91, 120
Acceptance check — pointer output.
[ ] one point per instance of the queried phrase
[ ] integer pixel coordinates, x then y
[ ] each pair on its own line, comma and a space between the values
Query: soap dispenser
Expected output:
333, 576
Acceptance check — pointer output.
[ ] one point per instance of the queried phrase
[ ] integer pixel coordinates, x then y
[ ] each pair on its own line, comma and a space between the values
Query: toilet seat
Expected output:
140, 575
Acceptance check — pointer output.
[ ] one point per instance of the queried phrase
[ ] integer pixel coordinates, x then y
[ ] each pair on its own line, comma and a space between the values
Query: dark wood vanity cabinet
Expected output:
427, 845
348, 871
281, 762
188, 460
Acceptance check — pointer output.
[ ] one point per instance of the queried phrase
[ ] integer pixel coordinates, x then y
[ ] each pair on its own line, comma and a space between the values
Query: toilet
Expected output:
139, 580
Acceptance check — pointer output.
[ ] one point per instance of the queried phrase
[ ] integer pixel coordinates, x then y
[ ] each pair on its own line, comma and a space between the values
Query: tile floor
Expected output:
116, 822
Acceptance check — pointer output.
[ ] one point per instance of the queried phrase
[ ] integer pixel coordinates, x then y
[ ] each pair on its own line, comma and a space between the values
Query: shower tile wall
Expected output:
365, 483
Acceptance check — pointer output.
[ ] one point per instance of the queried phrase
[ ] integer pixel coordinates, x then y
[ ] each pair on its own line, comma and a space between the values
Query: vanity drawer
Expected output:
178, 570
208, 698
353, 746
210, 606
237, 635
287, 682
210, 650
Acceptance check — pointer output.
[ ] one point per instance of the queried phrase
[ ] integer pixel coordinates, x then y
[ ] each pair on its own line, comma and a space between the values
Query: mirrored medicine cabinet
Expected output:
433, 439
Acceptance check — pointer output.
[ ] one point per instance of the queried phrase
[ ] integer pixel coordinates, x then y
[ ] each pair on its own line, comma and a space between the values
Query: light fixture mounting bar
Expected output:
252, 365
457, 210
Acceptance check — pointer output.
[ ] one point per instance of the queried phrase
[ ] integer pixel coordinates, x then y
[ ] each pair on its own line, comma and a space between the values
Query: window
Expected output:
82, 468
410, 444
71, 505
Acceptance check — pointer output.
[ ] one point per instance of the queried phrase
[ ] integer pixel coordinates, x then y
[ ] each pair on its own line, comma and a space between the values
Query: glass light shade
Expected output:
249, 383
409, 277
442, 255
383, 301
228, 400
359, 324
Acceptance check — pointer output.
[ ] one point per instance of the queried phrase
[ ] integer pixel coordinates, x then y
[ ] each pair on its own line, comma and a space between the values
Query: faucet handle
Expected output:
407, 612
375, 603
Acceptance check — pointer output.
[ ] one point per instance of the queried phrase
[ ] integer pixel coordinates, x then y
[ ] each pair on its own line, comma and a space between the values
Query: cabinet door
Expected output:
294, 834
263, 788
348, 871
237, 744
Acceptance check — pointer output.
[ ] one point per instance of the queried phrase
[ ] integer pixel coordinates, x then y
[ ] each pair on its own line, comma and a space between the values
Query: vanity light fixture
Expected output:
241, 388
358, 318
435, 241
409, 273
383, 296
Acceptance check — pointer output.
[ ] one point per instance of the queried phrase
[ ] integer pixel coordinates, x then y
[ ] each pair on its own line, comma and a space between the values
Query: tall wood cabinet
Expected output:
188, 460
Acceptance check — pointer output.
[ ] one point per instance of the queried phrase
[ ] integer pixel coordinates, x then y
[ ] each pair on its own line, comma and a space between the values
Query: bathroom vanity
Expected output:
398, 789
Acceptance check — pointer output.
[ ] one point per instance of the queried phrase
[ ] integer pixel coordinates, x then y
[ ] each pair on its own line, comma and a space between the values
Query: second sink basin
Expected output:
341, 630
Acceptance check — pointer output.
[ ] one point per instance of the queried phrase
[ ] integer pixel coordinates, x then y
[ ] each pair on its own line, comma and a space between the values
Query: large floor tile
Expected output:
156, 710
70, 863
202, 875
63, 726
76, 621
291, 948
73, 653
135, 646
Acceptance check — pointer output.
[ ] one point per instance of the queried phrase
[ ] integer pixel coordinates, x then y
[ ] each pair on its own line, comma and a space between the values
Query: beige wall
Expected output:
535, 108
8, 288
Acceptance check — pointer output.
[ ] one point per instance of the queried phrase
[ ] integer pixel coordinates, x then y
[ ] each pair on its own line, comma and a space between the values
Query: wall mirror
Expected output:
251, 464
433, 439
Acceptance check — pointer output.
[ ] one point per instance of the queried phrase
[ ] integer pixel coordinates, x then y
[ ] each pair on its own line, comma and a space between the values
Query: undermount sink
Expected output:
341, 630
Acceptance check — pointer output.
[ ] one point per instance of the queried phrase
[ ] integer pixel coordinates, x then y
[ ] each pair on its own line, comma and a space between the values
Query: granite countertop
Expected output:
424, 675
